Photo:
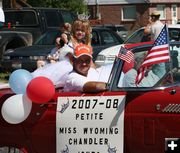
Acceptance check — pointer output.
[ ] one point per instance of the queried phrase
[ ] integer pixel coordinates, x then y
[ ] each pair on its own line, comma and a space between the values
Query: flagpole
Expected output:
171, 66
168, 40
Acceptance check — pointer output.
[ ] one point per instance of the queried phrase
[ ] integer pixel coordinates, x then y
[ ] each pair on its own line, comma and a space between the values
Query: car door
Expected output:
151, 117
40, 128
151, 120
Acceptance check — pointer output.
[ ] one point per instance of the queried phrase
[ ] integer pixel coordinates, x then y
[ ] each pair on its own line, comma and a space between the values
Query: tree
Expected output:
78, 6
37, 3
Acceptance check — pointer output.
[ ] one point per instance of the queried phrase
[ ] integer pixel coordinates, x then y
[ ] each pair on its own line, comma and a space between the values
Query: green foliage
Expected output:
37, 3
4, 76
78, 6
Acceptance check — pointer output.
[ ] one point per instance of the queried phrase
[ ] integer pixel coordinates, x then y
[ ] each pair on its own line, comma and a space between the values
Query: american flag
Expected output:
159, 53
125, 55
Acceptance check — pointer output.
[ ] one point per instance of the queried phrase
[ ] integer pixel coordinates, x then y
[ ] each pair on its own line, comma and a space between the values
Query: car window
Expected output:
95, 39
138, 36
174, 34
58, 19
117, 28
173, 75
157, 75
130, 72
52, 22
48, 38
121, 29
21, 18
68, 16
112, 28
108, 37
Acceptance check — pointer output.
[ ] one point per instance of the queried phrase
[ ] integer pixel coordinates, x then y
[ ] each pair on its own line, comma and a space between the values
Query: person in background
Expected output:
154, 26
66, 34
52, 57
60, 42
56, 71
83, 78
81, 33
129, 78
131, 73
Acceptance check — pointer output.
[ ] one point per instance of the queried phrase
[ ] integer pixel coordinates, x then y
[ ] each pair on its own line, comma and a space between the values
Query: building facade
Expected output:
133, 13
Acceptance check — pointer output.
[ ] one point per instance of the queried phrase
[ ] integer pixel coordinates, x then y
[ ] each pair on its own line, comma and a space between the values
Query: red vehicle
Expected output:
141, 119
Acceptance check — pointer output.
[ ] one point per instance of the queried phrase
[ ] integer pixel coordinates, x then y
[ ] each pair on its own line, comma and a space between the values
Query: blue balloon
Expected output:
19, 80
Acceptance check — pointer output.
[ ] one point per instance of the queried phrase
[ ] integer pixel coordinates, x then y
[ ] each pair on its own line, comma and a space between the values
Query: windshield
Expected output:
68, 16
121, 29
48, 38
139, 36
160, 74
21, 18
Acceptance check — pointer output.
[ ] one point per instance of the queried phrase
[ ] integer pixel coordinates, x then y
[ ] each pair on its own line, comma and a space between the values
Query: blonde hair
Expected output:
88, 31
85, 24
76, 24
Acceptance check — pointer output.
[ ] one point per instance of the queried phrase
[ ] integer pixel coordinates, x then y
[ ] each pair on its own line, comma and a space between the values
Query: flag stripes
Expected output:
128, 56
157, 54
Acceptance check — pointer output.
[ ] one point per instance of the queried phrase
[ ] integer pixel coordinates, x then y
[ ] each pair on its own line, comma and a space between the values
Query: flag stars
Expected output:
162, 38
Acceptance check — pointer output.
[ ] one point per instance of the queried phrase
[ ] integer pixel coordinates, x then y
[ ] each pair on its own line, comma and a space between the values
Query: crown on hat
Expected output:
83, 16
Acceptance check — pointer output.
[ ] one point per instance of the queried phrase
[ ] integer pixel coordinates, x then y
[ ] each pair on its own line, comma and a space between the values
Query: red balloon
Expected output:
40, 90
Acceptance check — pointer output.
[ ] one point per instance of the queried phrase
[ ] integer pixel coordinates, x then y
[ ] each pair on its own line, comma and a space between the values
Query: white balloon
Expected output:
16, 108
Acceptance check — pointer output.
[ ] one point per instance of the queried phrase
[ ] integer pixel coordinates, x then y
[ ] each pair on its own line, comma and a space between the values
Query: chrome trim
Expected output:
172, 108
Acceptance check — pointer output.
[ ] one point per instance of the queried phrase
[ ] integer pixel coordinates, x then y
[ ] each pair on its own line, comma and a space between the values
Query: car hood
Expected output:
114, 50
35, 50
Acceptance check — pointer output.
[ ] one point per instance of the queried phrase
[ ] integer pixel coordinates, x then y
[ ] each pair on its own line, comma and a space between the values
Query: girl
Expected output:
81, 32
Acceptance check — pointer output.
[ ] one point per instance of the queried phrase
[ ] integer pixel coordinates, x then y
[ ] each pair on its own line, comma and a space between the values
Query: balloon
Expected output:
19, 80
40, 90
16, 108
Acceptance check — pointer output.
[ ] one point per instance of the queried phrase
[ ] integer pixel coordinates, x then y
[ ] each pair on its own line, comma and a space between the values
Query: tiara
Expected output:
83, 16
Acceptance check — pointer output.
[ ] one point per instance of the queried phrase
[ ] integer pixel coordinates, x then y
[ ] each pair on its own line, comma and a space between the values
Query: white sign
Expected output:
90, 124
